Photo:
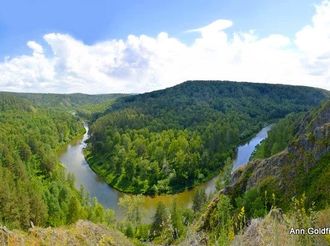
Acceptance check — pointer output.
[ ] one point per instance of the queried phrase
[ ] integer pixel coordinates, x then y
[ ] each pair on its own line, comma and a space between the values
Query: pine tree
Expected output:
159, 219
74, 210
176, 220
199, 200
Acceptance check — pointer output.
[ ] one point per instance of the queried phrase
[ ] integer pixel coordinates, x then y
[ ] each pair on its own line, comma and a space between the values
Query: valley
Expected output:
75, 163
165, 123
166, 141
191, 164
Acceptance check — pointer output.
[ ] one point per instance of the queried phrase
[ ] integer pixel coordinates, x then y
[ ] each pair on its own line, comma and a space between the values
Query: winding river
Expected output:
74, 161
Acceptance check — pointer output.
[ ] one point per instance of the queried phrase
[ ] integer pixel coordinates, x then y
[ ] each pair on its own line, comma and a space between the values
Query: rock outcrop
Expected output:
81, 233
311, 143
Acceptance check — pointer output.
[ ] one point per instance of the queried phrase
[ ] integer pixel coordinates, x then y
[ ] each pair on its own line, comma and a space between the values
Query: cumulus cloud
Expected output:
313, 42
144, 63
37, 48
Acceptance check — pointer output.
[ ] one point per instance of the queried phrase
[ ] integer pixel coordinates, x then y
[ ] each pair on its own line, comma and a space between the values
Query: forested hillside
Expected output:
168, 140
147, 139
64, 100
83, 104
268, 197
279, 136
33, 186
301, 168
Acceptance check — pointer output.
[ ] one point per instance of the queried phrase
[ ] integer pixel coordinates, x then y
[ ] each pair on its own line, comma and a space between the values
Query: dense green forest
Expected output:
64, 100
279, 136
84, 105
300, 171
168, 140
288, 194
267, 197
33, 187
145, 151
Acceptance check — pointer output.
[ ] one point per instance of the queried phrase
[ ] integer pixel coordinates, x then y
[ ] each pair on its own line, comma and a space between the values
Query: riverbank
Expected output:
75, 162
114, 168
73, 141
93, 163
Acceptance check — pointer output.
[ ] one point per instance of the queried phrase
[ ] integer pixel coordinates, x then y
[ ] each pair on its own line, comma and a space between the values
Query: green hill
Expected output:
33, 187
168, 140
162, 142
268, 197
64, 100
301, 168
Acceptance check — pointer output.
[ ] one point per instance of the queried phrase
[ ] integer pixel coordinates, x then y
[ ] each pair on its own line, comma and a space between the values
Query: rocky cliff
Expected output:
288, 169
302, 168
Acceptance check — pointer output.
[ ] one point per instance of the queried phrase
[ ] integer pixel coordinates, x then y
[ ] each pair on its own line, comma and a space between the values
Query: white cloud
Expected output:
143, 63
37, 48
313, 43
214, 27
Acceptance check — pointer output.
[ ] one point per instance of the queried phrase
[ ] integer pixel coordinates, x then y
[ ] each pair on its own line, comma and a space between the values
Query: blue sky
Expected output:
92, 21
135, 46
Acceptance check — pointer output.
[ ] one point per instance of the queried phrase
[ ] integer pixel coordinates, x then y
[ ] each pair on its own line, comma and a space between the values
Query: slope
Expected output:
80, 233
268, 197
168, 140
303, 167
30, 137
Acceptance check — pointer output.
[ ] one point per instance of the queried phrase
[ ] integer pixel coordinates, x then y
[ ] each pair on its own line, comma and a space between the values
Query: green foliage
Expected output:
221, 222
177, 221
278, 137
92, 109
148, 162
129, 230
69, 101
167, 224
302, 216
160, 142
142, 232
315, 183
33, 186
199, 200
258, 200
131, 205
160, 219
166, 141
254, 203
302, 170
187, 216
225, 175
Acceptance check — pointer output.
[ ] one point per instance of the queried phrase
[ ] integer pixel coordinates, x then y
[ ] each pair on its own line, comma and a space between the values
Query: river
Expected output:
74, 161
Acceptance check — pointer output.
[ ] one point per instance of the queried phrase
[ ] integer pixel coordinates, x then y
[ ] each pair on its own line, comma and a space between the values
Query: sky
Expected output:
129, 46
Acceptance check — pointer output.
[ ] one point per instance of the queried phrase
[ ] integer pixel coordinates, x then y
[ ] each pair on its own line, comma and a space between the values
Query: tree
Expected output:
33, 185
176, 219
74, 210
129, 232
159, 220
221, 221
199, 200
131, 205
225, 175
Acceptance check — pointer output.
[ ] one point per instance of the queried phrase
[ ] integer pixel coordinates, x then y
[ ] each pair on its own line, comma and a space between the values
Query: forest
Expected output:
169, 140
279, 136
34, 188
164, 142
263, 211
